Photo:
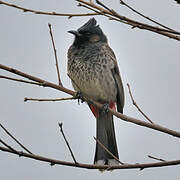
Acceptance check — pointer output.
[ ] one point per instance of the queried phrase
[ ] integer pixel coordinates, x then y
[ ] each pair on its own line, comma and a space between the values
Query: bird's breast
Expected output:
91, 75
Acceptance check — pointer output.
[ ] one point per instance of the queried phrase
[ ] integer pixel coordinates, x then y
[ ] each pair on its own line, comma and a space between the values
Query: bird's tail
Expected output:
105, 133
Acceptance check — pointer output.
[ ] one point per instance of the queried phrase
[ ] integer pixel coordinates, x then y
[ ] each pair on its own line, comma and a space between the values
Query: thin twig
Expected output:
100, 12
135, 104
15, 139
69, 15
53, 100
61, 130
102, 145
21, 80
137, 12
152, 157
103, 5
55, 54
91, 166
98, 105
9, 147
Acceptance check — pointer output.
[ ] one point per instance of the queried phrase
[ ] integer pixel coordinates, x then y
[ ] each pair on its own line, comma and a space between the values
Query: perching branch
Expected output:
70, 92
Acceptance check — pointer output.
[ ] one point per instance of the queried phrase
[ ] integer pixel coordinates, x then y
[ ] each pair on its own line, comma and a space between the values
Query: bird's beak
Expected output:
76, 33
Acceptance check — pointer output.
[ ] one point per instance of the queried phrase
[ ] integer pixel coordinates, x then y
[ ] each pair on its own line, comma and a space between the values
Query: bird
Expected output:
93, 70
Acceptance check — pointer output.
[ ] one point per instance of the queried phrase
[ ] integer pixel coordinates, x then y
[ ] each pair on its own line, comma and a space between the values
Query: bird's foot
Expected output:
79, 97
105, 108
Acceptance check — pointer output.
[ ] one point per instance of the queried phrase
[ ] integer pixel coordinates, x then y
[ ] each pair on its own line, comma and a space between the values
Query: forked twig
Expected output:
61, 130
5, 144
15, 139
102, 145
135, 104
55, 54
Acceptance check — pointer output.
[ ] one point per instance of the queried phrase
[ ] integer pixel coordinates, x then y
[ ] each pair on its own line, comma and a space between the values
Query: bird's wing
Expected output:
118, 81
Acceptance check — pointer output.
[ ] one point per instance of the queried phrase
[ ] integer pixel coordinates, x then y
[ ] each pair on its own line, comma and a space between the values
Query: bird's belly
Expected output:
99, 89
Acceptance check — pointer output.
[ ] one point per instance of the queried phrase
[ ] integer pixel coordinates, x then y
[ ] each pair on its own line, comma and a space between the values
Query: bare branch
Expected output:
55, 54
9, 147
152, 157
69, 15
53, 100
137, 12
90, 166
36, 79
102, 145
117, 114
135, 104
15, 139
21, 80
67, 143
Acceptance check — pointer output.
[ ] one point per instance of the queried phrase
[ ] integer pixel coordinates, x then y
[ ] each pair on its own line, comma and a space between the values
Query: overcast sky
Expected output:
148, 62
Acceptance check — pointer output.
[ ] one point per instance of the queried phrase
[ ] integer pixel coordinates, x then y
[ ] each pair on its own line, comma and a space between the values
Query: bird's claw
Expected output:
79, 97
105, 108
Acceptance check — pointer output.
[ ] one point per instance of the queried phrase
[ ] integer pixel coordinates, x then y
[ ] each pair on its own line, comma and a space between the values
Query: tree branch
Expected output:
90, 166
9, 147
102, 146
55, 54
15, 139
152, 157
137, 12
67, 143
69, 15
21, 80
135, 104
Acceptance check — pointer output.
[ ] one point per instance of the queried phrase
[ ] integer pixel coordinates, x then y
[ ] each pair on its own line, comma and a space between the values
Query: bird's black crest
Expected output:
88, 26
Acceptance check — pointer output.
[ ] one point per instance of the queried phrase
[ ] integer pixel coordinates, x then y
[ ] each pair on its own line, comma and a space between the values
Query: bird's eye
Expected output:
85, 32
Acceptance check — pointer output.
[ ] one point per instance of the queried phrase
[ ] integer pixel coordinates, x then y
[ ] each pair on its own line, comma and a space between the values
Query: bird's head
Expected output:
90, 32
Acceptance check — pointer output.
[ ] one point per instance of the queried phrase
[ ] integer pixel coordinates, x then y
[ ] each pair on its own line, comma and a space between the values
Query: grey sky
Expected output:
149, 62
